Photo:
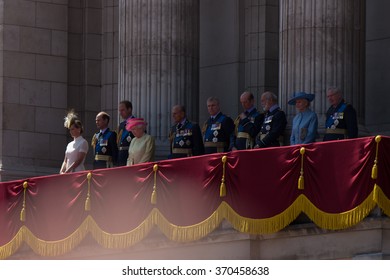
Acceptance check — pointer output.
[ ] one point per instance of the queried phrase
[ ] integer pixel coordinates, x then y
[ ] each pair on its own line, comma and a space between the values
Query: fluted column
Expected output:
159, 59
322, 45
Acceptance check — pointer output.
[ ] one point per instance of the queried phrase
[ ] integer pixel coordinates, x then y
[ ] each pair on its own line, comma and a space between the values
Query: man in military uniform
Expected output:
104, 143
246, 124
341, 119
217, 129
274, 122
185, 136
125, 109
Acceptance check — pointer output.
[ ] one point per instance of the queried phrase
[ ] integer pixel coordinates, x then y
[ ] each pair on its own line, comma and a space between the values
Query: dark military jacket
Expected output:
341, 122
124, 140
216, 133
186, 140
105, 149
246, 130
272, 129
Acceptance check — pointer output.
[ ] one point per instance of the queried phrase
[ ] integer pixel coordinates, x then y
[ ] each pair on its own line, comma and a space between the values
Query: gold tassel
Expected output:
301, 183
87, 206
301, 180
153, 198
23, 215
222, 188
374, 171
23, 211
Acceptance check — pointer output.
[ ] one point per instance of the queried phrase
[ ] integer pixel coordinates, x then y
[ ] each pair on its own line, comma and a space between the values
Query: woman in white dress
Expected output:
142, 146
77, 149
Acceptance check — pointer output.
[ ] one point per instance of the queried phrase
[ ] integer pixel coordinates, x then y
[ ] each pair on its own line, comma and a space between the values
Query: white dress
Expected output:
79, 145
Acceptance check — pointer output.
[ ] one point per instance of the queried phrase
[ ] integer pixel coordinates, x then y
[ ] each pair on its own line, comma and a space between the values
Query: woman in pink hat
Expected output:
142, 146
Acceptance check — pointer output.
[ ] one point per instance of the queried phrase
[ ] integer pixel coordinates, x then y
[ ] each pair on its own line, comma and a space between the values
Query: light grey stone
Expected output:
52, 16
63, 2
19, 65
20, 12
219, 40
11, 90
35, 40
93, 46
35, 93
108, 19
51, 68
76, 72
94, 22
11, 37
11, 141
49, 120
18, 117
76, 20
34, 145
58, 145
108, 45
94, 73
93, 98
75, 3
220, 81
59, 43
75, 50
377, 73
58, 93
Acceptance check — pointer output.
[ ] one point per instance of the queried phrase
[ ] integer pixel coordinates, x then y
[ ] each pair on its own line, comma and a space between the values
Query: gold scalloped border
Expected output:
197, 231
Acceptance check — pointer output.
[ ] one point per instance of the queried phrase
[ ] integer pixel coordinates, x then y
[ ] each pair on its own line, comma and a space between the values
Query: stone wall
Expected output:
33, 88
377, 119
238, 51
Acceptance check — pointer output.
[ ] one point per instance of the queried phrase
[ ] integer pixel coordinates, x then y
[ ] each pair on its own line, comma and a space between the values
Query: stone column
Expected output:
322, 45
261, 46
159, 59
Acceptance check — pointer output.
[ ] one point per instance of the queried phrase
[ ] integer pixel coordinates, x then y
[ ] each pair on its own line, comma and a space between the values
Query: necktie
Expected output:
179, 125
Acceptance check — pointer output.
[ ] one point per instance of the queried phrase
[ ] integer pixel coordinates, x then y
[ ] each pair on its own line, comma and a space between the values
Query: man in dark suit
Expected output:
104, 143
125, 109
185, 136
217, 129
341, 119
246, 124
274, 122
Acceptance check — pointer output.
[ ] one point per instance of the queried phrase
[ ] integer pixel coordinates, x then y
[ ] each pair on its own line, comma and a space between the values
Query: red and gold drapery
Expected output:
258, 191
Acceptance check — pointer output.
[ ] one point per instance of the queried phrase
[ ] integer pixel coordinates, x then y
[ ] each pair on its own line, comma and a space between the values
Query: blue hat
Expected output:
301, 95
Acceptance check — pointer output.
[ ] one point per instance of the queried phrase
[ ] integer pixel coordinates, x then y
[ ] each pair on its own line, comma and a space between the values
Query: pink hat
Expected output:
134, 122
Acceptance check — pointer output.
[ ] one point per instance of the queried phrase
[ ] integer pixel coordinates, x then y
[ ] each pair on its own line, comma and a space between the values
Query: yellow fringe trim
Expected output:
199, 230
340, 220
382, 200
123, 240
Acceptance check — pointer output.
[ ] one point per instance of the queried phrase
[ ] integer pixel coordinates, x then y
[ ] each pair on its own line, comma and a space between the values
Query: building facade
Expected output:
89, 55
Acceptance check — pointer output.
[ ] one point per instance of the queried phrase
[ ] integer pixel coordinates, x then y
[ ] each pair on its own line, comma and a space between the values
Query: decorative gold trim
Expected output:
374, 171
301, 180
87, 206
197, 231
382, 200
222, 188
23, 211
153, 198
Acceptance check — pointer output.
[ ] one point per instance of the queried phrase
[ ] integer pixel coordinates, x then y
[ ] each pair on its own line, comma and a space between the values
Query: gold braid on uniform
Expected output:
94, 141
236, 123
119, 137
